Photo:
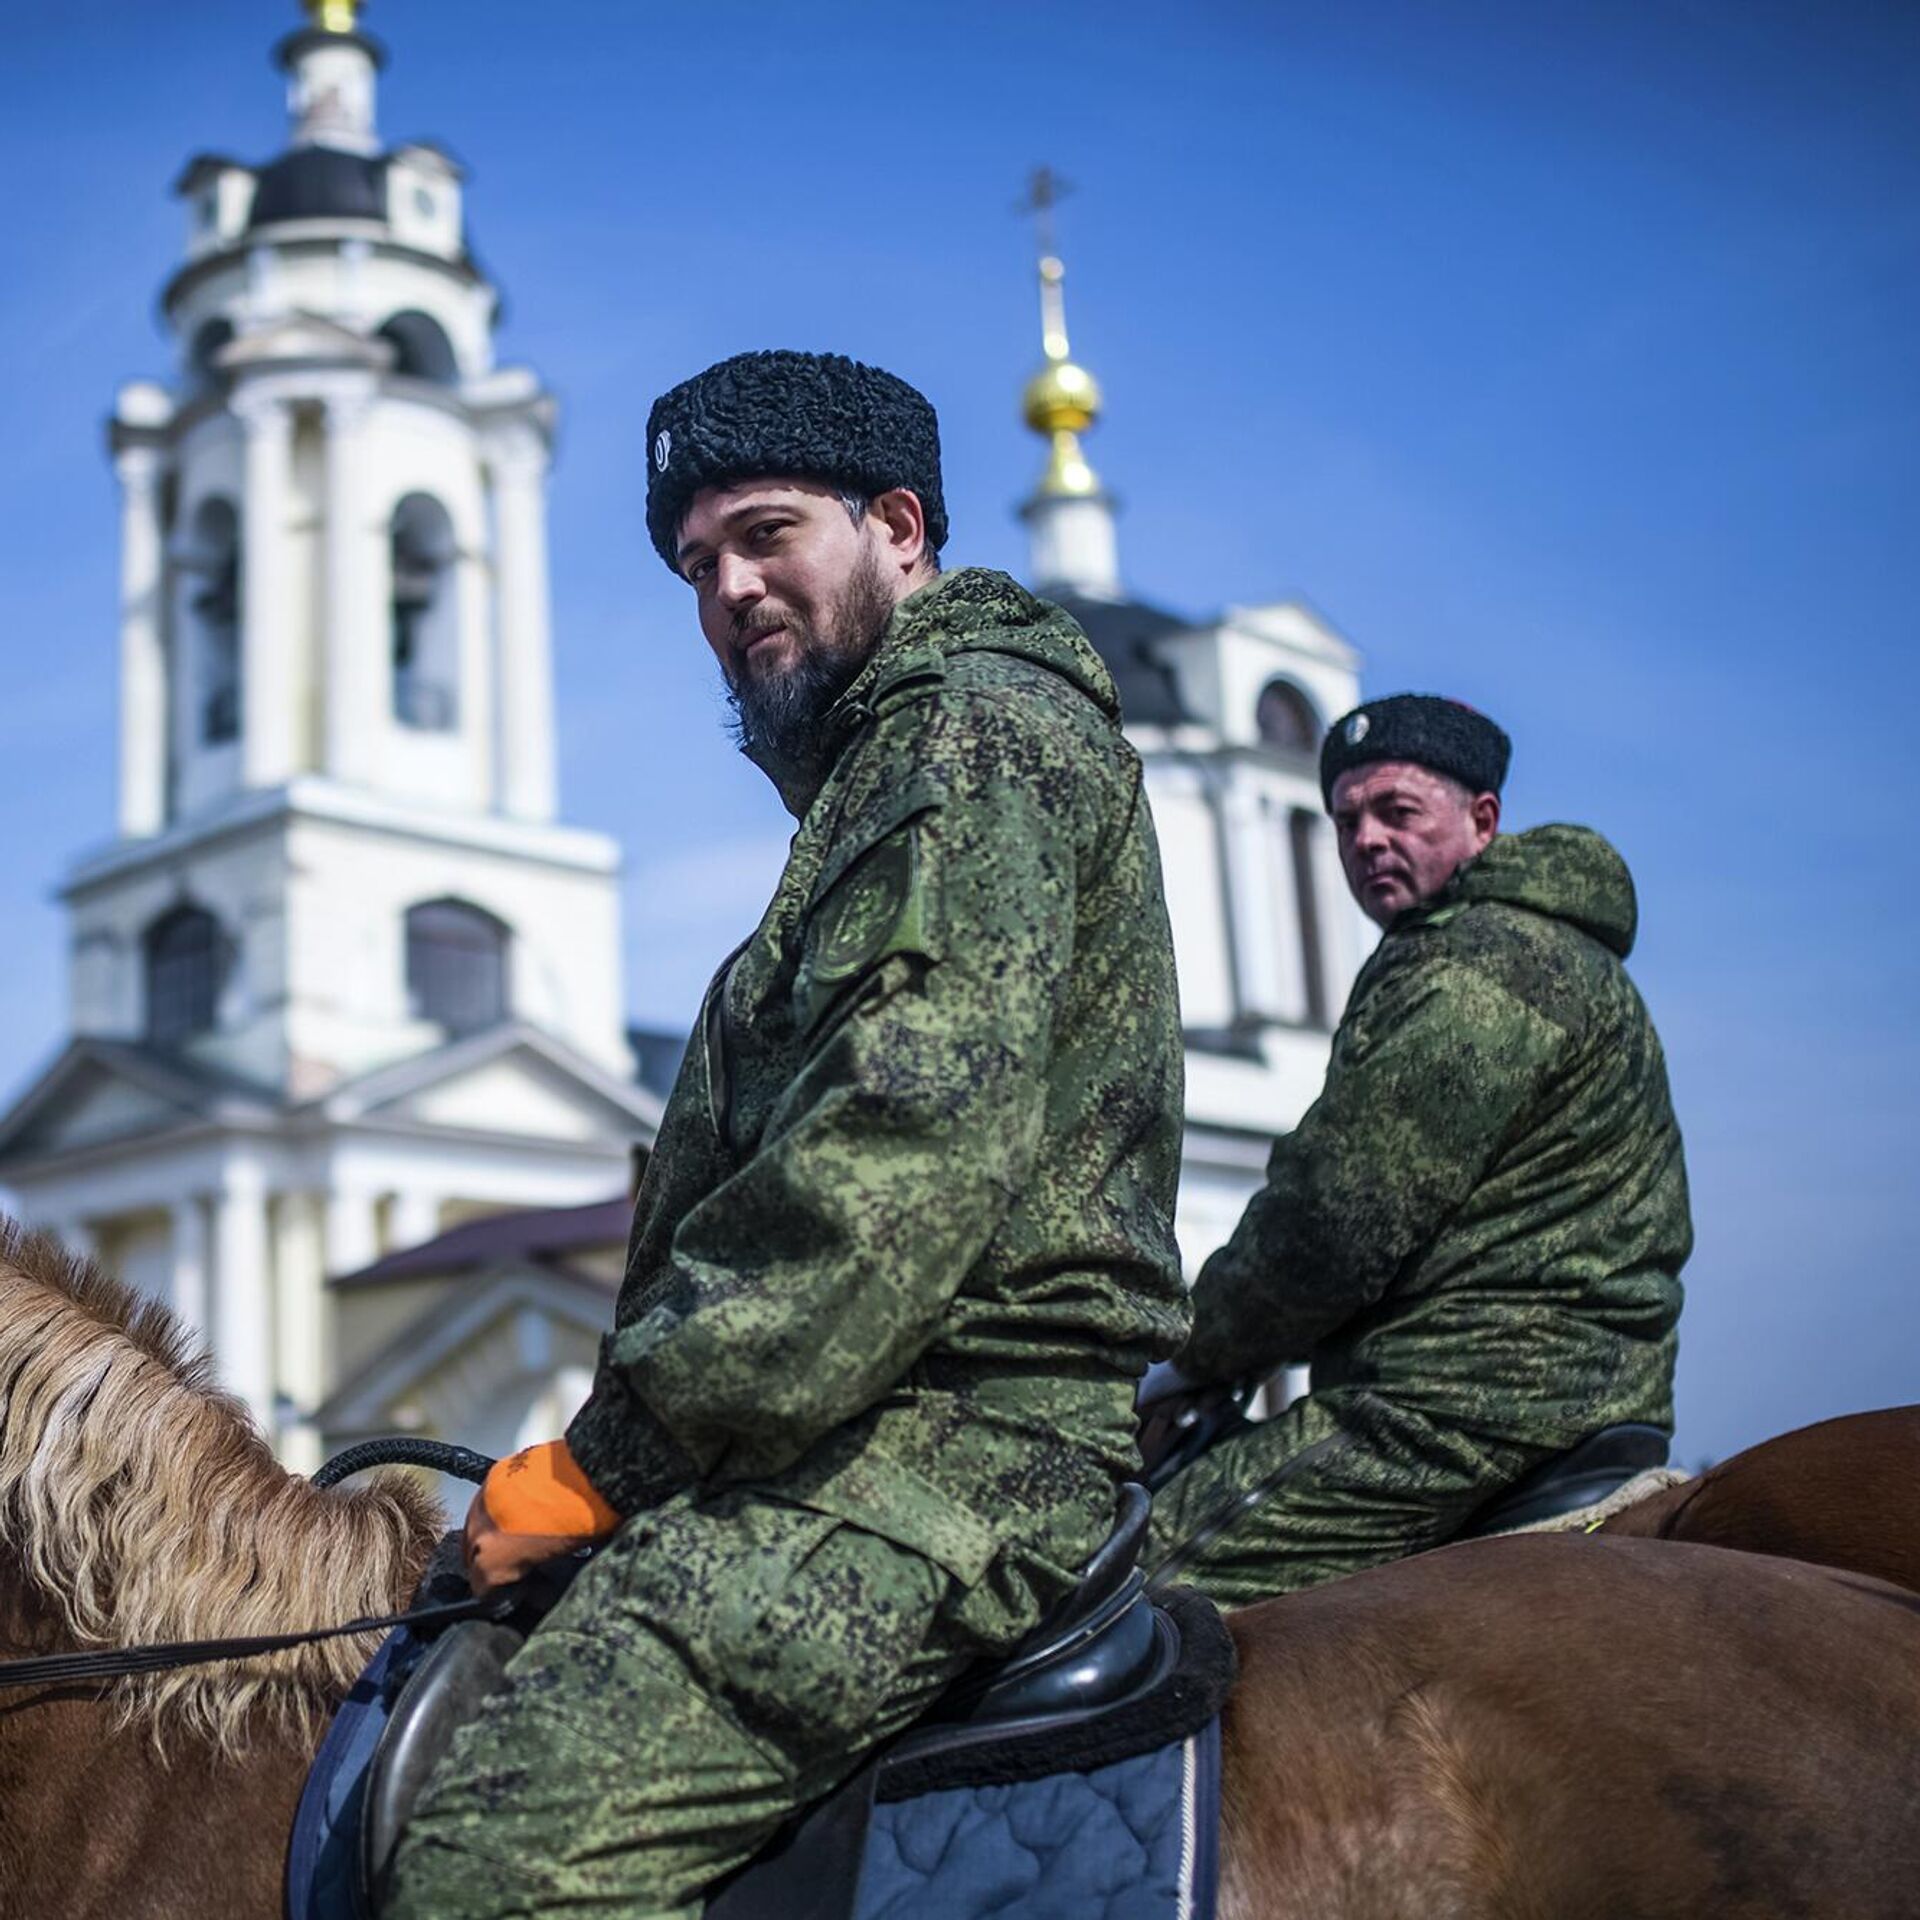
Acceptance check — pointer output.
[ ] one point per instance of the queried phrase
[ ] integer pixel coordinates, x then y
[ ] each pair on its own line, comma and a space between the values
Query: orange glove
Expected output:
542, 1490
535, 1505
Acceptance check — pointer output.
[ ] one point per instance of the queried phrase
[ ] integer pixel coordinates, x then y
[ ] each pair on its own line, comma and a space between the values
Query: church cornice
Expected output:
311, 797
320, 236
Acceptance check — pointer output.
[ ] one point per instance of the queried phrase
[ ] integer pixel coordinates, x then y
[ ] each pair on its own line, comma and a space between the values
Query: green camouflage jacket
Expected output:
906, 1238
1484, 1215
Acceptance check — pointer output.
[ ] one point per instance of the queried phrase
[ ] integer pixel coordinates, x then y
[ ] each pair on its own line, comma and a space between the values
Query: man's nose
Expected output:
737, 581
1368, 834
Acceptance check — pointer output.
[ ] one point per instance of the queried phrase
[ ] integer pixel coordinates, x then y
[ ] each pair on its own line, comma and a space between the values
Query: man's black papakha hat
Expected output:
806, 416
1431, 731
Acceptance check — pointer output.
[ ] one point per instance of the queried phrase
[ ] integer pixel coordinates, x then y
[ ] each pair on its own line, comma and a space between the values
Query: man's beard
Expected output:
776, 720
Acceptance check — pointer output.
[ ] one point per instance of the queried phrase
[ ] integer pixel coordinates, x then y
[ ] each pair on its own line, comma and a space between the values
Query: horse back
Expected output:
1557, 1725
1844, 1493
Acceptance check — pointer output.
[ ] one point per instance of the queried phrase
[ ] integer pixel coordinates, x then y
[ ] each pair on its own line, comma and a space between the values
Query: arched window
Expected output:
186, 958
426, 620
210, 563
1286, 719
421, 348
208, 340
456, 965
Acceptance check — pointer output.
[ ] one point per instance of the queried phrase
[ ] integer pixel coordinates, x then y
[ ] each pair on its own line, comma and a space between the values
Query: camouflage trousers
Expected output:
1356, 1481
718, 1665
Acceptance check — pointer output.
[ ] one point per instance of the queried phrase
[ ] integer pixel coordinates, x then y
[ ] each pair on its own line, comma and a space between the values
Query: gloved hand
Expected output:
535, 1506
1179, 1418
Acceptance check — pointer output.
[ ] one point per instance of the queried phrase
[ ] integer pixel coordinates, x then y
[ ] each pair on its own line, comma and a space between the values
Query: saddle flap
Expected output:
812, 1871
442, 1694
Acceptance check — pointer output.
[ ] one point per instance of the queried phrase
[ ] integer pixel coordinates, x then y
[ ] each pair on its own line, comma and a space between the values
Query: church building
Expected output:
343, 979
347, 1080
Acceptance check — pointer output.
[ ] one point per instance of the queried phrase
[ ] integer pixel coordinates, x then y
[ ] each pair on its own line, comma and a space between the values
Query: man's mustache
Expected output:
748, 626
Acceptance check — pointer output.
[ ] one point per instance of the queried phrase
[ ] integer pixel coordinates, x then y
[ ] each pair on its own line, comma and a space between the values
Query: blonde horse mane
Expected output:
142, 1506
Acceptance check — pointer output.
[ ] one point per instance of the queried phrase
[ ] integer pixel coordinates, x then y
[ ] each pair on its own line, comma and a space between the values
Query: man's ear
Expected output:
1486, 818
904, 523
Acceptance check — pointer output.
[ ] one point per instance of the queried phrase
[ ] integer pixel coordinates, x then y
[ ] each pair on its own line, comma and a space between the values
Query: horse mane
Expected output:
143, 1506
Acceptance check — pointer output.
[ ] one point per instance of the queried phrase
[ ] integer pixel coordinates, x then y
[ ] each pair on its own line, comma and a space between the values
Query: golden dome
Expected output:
334, 16
1063, 397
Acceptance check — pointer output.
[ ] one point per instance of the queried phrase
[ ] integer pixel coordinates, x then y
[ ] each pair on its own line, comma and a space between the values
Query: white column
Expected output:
187, 1286
416, 1219
352, 1236
354, 650
300, 1325
1348, 933
1255, 912
143, 658
243, 1291
1291, 998
470, 581
527, 784
268, 707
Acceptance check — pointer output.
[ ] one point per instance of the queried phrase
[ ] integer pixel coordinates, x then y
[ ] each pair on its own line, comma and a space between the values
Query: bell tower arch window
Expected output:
421, 349
210, 338
185, 956
211, 564
425, 616
1286, 720
456, 965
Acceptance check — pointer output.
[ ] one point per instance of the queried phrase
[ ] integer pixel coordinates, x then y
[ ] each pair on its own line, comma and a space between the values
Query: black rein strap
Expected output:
120, 1663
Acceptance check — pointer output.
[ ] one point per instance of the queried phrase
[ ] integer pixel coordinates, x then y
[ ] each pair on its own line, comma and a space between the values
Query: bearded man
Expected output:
904, 1245
1474, 1236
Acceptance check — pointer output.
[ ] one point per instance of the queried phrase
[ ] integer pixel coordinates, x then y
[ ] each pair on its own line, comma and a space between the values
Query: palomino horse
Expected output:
1545, 1727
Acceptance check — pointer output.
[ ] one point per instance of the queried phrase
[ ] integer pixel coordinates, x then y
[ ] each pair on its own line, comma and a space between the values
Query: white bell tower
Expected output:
342, 980
335, 610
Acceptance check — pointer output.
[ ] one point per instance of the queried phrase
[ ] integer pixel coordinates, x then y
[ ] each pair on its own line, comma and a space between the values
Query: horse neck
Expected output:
101, 1821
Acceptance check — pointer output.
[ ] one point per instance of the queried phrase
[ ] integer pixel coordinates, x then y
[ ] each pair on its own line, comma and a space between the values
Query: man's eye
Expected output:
767, 530
698, 572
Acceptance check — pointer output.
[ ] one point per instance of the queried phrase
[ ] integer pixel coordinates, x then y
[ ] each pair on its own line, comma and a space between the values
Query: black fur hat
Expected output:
1431, 731
809, 416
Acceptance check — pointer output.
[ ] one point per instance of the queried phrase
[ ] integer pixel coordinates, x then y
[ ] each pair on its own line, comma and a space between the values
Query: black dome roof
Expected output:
1123, 632
320, 183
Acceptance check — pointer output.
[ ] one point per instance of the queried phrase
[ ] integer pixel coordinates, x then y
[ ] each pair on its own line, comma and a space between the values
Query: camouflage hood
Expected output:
977, 610
1567, 873
972, 611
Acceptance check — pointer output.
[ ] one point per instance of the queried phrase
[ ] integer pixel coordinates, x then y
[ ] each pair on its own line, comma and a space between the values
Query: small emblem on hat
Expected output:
1357, 728
662, 449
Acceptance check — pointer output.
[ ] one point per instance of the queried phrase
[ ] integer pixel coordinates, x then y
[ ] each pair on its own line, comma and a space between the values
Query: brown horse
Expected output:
1845, 1493
1539, 1727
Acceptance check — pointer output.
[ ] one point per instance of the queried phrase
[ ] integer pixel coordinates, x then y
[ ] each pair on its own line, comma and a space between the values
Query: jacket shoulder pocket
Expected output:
877, 897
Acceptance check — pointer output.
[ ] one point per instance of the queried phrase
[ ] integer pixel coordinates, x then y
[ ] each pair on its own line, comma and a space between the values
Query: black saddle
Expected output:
1104, 1649
1599, 1465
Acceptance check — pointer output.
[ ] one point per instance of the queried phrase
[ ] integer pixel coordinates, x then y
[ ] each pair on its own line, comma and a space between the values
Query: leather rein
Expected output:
119, 1663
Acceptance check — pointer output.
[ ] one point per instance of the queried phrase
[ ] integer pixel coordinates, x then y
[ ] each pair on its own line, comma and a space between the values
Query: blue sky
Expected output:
1563, 356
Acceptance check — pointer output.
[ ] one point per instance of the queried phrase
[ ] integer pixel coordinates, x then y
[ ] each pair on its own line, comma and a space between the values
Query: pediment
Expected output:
98, 1093
306, 338
514, 1095
99, 1106
516, 1083
475, 1361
